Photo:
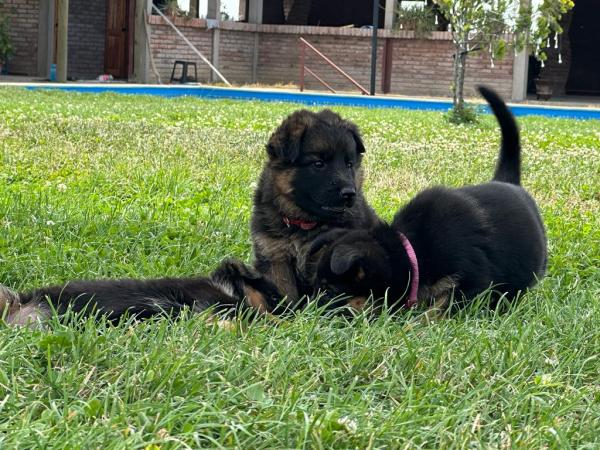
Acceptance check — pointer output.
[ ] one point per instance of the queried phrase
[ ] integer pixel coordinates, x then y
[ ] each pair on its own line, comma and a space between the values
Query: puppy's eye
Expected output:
319, 164
350, 164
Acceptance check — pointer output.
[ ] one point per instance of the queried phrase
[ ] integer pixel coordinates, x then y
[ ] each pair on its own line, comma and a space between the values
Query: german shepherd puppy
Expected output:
230, 288
445, 241
312, 181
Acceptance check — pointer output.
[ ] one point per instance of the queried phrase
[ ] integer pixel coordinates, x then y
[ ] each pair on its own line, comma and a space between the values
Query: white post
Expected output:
214, 10
255, 11
214, 13
62, 41
255, 15
389, 14
521, 68
243, 14
45, 52
140, 46
520, 72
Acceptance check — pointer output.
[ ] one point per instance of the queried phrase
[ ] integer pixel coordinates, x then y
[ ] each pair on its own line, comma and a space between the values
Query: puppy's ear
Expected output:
360, 146
344, 257
334, 118
285, 142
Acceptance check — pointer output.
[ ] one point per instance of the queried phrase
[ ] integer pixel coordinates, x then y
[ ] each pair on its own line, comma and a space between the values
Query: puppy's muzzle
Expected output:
348, 194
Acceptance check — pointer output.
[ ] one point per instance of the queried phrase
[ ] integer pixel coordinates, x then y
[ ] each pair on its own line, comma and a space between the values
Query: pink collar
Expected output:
300, 223
414, 273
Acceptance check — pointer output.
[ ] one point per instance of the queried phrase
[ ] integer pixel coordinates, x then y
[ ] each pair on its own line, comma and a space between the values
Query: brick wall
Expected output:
167, 46
23, 28
87, 31
279, 60
424, 67
236, 50
419, 67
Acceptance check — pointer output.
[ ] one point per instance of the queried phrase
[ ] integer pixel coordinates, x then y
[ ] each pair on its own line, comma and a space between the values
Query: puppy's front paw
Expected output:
325, 240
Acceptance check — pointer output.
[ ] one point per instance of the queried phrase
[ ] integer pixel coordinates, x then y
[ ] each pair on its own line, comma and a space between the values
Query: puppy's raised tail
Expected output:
508, 168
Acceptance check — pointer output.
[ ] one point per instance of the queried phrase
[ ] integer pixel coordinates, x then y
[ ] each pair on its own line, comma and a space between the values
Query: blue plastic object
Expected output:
315, 99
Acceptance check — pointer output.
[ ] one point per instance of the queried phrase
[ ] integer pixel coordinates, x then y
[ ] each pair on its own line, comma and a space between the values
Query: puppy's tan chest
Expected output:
272, 248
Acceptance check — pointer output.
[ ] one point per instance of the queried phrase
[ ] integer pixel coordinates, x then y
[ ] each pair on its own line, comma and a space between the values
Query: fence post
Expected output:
302, 51
374, 45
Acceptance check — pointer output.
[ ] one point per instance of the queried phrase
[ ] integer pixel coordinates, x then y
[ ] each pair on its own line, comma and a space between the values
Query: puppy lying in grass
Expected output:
446, 243
230, 288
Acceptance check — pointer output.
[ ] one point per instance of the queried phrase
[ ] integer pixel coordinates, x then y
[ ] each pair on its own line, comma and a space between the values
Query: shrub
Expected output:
464, 114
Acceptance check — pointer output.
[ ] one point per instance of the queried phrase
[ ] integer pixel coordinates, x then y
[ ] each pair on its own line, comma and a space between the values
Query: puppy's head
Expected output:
316, 160
355, 264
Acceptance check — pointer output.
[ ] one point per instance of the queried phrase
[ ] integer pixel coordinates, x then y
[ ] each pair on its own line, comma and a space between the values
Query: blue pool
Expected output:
310, 98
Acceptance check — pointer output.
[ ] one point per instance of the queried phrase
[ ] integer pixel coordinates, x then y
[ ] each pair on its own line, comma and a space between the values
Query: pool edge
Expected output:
321, 99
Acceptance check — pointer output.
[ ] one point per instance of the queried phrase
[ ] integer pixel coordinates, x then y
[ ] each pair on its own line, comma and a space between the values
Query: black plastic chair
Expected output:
184, 78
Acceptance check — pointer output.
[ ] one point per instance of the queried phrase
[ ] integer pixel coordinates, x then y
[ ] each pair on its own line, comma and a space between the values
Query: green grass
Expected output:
115, 186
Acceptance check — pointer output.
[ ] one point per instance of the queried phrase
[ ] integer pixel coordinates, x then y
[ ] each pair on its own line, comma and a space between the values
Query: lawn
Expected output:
117, 186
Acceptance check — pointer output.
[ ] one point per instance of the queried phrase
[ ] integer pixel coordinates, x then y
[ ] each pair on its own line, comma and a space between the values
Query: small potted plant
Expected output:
6, 48
543, 89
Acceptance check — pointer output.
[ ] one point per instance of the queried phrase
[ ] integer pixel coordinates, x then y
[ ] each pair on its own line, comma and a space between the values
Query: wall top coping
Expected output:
295, 29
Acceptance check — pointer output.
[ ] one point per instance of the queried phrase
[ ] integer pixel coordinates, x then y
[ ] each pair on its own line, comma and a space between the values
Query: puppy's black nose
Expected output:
348, 193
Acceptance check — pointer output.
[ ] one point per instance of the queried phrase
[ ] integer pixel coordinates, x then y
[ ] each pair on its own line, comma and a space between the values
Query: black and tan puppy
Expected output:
311, 182
231, 288
445, 242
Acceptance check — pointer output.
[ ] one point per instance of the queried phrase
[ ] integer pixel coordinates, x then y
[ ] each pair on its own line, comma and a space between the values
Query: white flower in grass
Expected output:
543, 379
62, 187
553, 361
50, 223
348, 423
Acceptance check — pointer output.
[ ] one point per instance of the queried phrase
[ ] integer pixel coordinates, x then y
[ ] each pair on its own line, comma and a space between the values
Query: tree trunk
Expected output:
460, 60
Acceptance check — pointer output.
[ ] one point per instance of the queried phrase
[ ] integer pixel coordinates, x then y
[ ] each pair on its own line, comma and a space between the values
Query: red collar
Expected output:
304, 225
414, 273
